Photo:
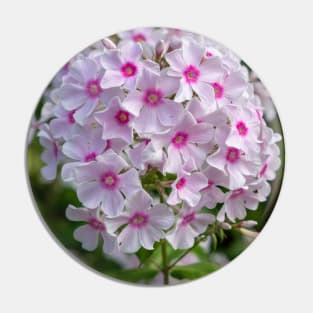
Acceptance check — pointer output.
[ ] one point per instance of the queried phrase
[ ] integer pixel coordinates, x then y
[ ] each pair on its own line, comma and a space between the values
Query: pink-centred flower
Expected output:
88, 234
105, 181
144, 223
81, 90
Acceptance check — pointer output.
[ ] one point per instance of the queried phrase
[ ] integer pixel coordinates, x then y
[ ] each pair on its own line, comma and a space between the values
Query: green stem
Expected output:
165, 268
197, 241
184, 254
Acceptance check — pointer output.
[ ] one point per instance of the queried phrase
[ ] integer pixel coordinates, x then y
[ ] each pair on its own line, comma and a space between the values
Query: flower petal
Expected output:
90, 194
87, 236
128, 240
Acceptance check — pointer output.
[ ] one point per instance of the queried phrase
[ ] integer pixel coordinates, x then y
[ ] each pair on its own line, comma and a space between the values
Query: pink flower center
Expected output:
153, 97
122, 117
147, 141
236, 193
93, 88
218, 90
263, 169
138, 219
139, 37
70, 117
181, 183
188, 218
129, 69
242, 128
90, 157
96, 224
232, 155
109, 180
180, 140
208, 54
210, 184
191, 74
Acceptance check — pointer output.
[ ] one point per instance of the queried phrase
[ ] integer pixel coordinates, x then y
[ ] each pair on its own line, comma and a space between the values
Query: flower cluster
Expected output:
161, 135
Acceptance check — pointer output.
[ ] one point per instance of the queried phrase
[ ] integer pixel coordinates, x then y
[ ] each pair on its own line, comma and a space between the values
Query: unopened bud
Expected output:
225, 226
248, 224
108, 43
160, 49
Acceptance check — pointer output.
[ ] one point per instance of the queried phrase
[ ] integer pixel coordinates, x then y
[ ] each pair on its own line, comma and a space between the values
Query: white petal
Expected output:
128, 240
87, 236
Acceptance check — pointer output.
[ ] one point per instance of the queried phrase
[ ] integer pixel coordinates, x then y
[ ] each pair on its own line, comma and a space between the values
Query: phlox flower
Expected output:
190, 223
234, 163
64, 124
195, 73
270, 165
245, 129
143, 155
121, 66
239, 200
52, 153
88, 234
143, 223
101, 183
211, 193
187, 187
81, 90
181, 144
153, 110
217, 118
82, 148
116, 122
138, 35
229, 87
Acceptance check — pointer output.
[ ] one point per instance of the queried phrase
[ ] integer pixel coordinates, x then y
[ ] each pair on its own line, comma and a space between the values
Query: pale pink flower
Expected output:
216, 118
195, 73
82, 148
143, 223
143, 155
181, 143
235, 163
187, 187
52, 154
63, 125
81, 90
229, 88
189, 225
239, 200
271, 165
245, 129
212, 194
138, 35
116, 122
121, 66
88, 234
154, 111
101, 183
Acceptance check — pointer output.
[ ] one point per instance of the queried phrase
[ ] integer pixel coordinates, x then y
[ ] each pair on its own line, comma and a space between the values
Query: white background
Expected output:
275, 37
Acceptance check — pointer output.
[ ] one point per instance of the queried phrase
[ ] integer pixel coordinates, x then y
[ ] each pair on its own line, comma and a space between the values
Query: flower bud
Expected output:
108, 43
160, 49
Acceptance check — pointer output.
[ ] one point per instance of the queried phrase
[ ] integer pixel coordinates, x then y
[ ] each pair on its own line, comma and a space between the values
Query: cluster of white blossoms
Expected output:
154, 128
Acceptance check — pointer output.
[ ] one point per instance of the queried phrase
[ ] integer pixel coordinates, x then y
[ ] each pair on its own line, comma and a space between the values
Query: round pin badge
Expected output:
155, 156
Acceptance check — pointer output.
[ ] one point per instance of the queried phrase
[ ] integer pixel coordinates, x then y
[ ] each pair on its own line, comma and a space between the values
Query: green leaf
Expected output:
144, 254
134, 275
193, 271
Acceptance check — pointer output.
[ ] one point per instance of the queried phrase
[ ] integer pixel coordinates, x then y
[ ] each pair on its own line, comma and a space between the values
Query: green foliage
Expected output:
134, 275
193, 271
